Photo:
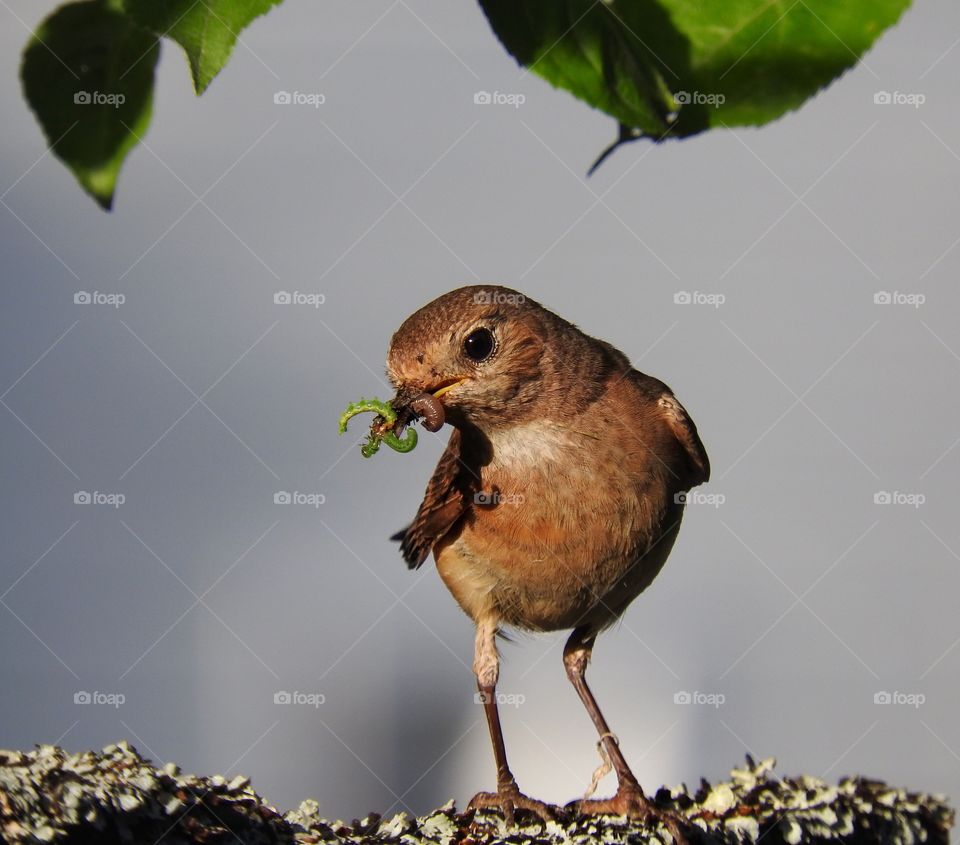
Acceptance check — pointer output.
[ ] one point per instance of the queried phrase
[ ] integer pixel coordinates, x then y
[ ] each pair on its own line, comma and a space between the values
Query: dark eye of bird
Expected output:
479, 345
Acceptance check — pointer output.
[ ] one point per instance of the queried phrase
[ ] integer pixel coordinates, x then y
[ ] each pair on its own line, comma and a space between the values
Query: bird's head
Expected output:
479, 350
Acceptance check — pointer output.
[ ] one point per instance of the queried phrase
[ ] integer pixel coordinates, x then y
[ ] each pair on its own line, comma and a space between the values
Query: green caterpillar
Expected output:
379, 431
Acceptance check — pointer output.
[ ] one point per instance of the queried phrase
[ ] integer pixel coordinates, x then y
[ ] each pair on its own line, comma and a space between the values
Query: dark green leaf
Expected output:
87, 73
206, 29
678, 67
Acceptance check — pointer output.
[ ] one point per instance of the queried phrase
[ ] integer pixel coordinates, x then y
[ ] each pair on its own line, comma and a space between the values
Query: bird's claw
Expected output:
508, 800
632, 803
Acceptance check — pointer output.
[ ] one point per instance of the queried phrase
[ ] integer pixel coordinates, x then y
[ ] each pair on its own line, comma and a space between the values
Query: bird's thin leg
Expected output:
576, 656
508, 798
505, 778
629, 799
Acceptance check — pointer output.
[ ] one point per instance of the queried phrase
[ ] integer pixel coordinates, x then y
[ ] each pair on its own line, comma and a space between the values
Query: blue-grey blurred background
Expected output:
796, 285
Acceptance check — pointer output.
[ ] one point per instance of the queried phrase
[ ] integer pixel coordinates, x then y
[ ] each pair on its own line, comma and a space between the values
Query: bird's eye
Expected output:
479, 345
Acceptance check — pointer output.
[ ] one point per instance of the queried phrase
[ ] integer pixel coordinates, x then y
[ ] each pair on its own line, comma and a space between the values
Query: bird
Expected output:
556, 501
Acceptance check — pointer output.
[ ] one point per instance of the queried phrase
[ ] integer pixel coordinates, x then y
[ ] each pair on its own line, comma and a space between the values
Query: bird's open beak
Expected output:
407, 394
409, 403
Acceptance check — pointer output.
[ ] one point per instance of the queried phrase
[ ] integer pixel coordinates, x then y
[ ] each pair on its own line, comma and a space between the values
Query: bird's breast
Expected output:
557, 521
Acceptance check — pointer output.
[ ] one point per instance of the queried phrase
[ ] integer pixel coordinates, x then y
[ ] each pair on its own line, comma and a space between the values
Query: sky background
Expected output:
821, 572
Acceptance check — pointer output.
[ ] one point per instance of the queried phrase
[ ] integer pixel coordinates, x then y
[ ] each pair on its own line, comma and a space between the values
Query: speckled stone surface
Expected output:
115, 796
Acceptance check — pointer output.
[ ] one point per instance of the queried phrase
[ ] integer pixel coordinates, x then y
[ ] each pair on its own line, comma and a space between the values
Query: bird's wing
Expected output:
444, 502
685, 431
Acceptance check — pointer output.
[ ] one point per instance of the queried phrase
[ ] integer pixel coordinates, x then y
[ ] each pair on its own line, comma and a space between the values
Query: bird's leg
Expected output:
508, 798
629, 800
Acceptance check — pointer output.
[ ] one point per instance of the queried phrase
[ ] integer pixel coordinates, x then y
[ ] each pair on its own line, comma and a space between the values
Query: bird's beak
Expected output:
445, 386
407, 394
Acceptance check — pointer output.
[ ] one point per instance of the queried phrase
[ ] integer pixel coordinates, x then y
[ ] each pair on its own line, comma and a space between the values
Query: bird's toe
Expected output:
511, 802
633, 804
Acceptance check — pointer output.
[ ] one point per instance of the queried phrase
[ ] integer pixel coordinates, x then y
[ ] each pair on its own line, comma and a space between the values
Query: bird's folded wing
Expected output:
444, 502
685, 431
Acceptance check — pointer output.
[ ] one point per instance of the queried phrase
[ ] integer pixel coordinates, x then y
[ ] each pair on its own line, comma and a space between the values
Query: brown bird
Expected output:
559, 495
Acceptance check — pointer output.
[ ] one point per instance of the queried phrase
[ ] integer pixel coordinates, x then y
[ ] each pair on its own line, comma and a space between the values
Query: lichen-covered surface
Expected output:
115, 796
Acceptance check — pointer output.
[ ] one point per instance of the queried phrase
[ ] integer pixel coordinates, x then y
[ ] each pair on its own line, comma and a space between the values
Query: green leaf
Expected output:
679, 67
87, 73
206, 29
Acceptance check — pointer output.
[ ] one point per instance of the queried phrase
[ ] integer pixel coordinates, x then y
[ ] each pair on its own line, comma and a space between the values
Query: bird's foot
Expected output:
509, 800
632, 803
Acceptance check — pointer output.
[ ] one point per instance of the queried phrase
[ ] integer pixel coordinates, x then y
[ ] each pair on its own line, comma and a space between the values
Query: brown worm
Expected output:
430, 408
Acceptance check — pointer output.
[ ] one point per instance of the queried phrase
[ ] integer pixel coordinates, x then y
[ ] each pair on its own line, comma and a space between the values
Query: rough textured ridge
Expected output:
115, 796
